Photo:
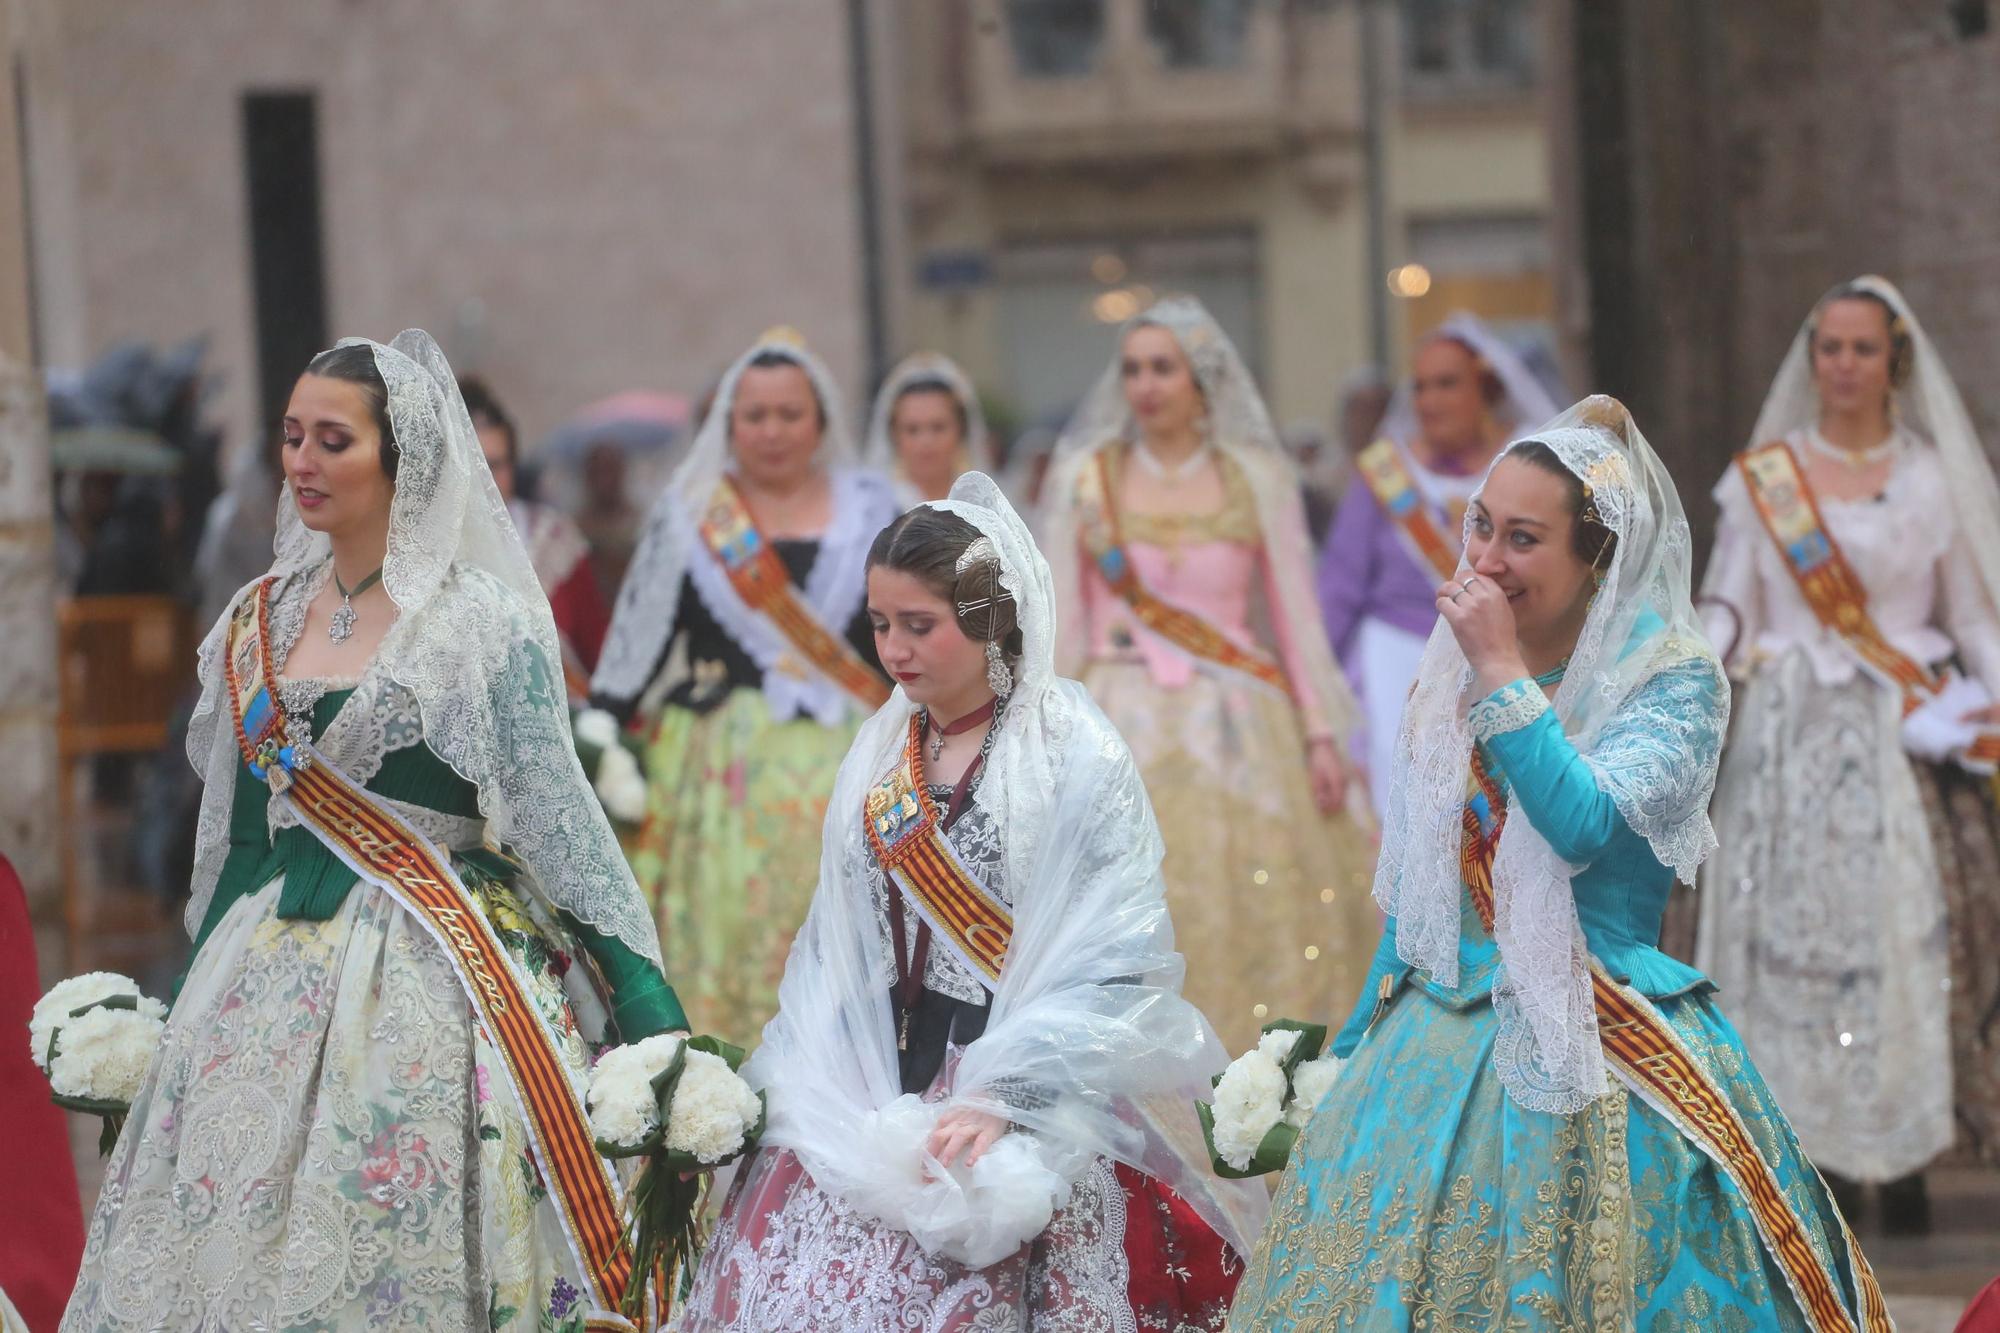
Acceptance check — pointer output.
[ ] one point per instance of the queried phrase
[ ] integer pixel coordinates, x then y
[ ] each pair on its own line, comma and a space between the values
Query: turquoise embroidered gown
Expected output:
1421, 1197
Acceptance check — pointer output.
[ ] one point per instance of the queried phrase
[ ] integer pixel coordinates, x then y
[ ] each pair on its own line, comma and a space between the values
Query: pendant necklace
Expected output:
341, 628
964, 724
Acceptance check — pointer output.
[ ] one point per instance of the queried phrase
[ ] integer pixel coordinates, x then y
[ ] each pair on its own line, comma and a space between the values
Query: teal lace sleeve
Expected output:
1651, 769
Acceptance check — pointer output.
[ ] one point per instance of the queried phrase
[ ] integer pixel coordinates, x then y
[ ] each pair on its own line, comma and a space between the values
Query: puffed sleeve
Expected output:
1347, 567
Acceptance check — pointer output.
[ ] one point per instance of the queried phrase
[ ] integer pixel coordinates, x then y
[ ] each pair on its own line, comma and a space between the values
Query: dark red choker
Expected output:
966, 723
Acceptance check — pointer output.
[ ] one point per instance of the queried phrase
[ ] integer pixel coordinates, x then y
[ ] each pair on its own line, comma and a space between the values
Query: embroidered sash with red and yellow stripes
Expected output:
1650, 1058
1184, 629
385, 850
1790, 513
1381, 467
906, 829
759, 577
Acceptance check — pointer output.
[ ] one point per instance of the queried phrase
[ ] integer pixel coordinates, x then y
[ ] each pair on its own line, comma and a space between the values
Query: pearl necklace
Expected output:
1175, 473
1854, 460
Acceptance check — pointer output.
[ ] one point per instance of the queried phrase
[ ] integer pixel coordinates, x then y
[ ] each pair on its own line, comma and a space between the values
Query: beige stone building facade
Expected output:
1062, 161
577, 200
583, 201
28, 833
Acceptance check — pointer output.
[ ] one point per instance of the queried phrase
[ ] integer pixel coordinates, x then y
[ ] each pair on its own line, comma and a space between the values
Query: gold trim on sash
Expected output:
760, 579
1389, 481
1790, 514
1184, 629
386, 851
906, 829
1648, 1056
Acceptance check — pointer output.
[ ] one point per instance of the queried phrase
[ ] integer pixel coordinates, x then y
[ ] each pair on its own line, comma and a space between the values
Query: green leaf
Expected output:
1312, 1036
108, 1002
489, 1134
1270, 1156
733, 1056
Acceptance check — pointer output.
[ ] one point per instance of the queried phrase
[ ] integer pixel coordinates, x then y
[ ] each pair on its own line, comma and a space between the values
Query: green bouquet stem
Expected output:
666, 1199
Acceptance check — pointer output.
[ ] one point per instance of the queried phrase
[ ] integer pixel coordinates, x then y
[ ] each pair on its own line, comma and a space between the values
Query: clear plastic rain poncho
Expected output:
1089, 1046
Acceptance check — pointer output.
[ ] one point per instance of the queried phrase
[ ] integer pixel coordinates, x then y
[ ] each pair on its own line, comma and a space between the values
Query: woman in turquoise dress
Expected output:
1543, 1121
334, 1133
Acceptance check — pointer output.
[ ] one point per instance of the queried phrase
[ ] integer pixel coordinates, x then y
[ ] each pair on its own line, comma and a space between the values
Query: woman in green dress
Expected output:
335, 1132
741, 647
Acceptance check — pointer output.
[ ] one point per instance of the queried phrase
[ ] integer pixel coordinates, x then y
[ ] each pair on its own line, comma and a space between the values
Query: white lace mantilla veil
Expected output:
649, 601
1640, 623
1523, 399
1240, 429
472, 666
1088, 1027
1928, 406
879, 452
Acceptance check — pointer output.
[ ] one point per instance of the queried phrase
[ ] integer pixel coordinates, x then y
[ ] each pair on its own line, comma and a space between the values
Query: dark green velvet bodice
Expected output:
316, 881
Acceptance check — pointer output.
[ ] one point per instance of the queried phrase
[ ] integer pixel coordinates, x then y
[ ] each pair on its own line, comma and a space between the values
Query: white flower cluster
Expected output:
1250, 1096
619, 783
712, 1110
102, 1054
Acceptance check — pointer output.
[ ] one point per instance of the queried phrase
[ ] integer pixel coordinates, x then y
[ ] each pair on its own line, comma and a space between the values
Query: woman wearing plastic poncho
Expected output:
743, 605
1852, 916
927, 429
1544, 1122
1183, 574
981, 1072
365, 1109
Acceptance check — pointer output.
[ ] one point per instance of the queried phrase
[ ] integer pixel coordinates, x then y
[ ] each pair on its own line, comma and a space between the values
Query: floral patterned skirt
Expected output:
1124, 1255
729, 853
1270, 898
325, 1141
1422, 1197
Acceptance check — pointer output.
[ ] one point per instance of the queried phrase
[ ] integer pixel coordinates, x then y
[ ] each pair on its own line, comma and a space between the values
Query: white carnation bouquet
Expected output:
680, 1104
1263, 1100
613, 761
94, 1036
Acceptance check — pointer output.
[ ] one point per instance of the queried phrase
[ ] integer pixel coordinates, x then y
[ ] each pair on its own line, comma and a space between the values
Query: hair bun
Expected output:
1601, 409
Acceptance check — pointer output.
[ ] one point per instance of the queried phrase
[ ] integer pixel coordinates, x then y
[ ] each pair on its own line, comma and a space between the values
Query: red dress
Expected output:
41, 1215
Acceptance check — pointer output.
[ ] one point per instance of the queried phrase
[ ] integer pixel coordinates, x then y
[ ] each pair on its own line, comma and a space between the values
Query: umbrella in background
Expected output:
119, 449
637, 421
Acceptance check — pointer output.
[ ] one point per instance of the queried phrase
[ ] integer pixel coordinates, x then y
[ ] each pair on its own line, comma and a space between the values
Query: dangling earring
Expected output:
998, 676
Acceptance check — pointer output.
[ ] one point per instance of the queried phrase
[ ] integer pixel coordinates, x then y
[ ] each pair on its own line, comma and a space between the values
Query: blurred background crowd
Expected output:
595, 209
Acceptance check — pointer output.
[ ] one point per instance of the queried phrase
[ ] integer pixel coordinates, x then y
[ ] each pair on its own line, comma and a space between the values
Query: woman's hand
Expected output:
1329, 775
1983, 717
964, 1130
1483, 624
